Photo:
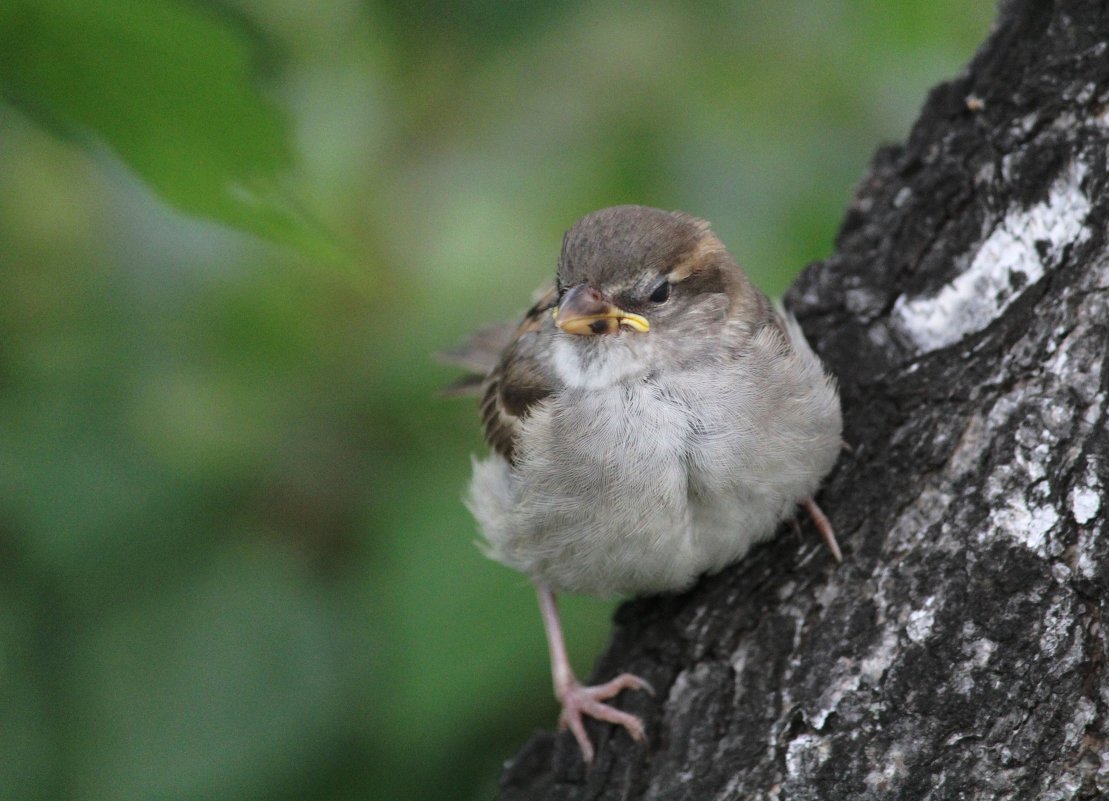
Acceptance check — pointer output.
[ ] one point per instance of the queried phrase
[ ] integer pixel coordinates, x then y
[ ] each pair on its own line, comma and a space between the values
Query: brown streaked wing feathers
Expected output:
518, 380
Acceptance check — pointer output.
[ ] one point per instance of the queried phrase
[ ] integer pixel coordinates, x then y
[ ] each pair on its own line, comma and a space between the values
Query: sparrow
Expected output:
651, 418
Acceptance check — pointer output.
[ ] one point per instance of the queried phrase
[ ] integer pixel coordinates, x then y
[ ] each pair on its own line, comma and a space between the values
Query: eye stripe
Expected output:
706, 248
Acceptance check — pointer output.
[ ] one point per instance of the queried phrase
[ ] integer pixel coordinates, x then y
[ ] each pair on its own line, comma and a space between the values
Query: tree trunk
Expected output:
959, 651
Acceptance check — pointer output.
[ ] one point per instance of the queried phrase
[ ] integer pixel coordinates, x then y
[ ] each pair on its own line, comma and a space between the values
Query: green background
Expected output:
234, 562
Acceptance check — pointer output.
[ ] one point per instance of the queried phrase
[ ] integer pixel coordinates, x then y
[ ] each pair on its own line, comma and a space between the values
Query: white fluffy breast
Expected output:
597, 501
641, 486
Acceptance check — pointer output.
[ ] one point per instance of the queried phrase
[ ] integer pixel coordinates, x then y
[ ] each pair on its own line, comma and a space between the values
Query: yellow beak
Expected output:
587, 312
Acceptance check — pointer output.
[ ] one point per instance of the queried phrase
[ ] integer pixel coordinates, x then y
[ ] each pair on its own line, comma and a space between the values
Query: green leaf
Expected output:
168, 86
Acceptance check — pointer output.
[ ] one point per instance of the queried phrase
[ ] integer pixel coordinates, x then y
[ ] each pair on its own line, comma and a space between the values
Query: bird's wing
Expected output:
481, 352
520, 379
507, 370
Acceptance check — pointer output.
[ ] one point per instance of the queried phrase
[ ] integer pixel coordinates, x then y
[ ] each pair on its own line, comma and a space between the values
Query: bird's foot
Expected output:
578, 701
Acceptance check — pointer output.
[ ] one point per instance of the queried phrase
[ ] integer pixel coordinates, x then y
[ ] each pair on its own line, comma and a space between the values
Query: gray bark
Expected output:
959, 651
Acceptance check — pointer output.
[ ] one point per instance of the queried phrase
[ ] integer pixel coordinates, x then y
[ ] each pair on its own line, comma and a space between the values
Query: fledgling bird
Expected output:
651, 419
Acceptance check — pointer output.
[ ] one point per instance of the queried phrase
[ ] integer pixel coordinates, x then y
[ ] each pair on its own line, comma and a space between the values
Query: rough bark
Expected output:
959, 651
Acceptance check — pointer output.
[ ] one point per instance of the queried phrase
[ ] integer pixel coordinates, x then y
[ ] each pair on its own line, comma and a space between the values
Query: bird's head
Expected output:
639, 288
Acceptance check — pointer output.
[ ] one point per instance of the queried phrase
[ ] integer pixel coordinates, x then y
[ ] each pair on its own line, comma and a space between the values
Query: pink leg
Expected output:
578, 700
824, 526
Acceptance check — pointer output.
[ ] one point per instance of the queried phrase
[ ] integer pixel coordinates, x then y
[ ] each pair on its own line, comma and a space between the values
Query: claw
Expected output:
824, 526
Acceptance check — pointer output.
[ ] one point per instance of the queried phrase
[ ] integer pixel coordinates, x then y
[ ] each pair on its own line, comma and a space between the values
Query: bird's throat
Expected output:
597, 363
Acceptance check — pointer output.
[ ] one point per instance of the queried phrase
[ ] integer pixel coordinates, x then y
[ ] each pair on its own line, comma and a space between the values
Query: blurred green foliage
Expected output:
168, 87
235, 564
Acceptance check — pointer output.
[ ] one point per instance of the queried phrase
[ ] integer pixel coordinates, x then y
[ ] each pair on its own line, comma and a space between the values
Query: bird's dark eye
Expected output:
661, 293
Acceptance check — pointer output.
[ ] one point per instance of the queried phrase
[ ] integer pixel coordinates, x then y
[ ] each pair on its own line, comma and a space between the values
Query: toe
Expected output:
571, 719
633, 724
625, 681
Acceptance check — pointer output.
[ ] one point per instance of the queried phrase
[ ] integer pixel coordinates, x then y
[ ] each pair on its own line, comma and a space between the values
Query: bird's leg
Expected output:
824, 526
577, 700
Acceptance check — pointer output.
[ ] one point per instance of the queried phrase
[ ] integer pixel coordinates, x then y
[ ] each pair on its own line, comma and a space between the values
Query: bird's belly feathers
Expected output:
632, 489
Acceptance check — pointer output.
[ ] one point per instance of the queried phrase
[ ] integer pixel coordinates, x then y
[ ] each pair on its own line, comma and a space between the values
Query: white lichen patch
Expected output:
1085, 498
1086, 564
1026, 523
739, 657
688, 683
1084, 504
914, 524
844, 679
805, 754
887, 774
921, 621
1027, 516
1016, 253
1084, 713
877, 662
1026, 123
978, 653
1055, 627
964, 684
847, 675
787, 590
